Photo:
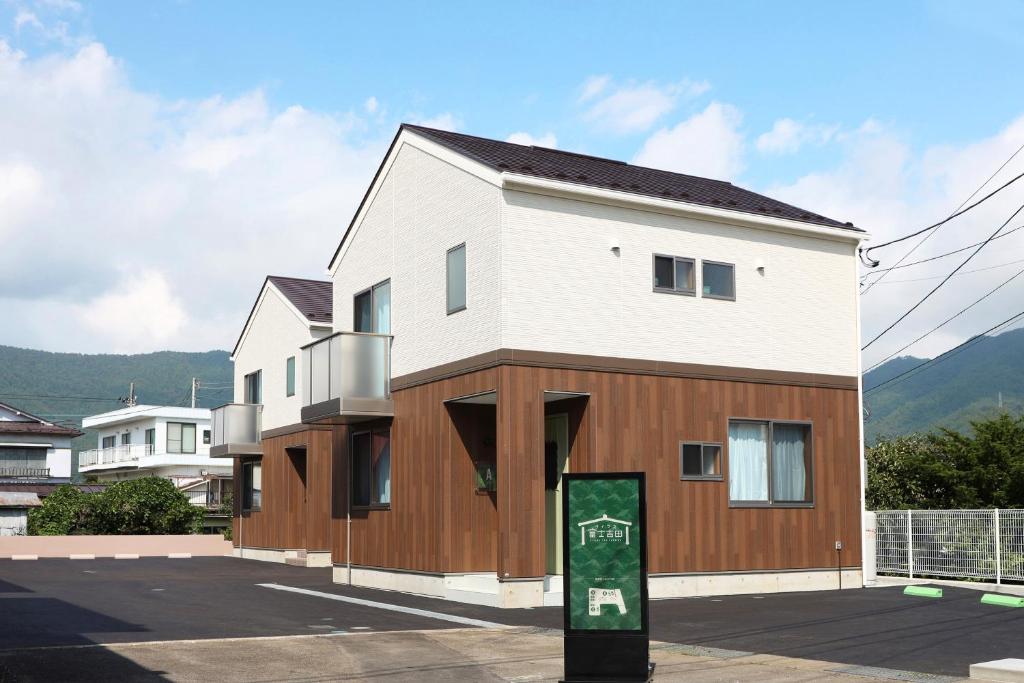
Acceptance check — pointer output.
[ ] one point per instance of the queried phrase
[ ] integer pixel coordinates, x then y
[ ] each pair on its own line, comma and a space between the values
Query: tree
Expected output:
947, 469
152, 505
63, 512
138, 506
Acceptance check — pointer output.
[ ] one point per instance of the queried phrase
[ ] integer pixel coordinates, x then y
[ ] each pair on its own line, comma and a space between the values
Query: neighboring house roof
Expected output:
43, 490
30, 424
19, 499
313, 299
608, 174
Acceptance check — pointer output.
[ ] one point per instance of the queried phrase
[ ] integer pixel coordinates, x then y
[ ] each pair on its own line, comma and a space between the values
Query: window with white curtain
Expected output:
372, 309
770, 463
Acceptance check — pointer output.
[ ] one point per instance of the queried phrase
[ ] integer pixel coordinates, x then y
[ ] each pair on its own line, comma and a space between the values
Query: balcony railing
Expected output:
34, 472
114, 454
347, 378
204, 497
236, 430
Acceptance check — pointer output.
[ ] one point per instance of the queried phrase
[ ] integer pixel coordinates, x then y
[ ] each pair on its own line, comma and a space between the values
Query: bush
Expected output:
139, 506
63, 512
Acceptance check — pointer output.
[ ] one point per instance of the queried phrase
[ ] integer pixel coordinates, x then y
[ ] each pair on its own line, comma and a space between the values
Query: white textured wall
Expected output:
565, 291
424, 207
277, 332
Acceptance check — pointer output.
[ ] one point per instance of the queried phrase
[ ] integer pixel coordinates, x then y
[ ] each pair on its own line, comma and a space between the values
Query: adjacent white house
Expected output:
33, 451
162, 441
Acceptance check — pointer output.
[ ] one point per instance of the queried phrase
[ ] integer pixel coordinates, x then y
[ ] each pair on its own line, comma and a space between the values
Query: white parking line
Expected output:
386, 606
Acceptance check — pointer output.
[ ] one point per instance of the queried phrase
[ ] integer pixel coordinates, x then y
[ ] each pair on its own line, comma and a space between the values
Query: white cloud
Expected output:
883, 186
26, 18
110, 197
594, 86
788, 136
141, 307
633, 107
445, 121
546, 140
708, 143
371, 105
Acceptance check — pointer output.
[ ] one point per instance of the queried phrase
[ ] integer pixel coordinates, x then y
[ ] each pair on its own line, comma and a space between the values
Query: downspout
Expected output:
861, 461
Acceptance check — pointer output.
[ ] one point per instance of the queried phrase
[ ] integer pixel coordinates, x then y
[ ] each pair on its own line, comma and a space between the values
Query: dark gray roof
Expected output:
313, 298
581, 169
33, 425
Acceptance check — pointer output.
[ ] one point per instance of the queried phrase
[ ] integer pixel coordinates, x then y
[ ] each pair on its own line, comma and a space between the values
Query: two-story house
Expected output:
503, 314
160, 441
35, 457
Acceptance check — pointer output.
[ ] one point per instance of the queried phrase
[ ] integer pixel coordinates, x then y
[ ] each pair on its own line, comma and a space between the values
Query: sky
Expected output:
158, 159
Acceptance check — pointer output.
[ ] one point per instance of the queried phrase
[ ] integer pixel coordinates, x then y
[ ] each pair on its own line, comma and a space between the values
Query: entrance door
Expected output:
556, 463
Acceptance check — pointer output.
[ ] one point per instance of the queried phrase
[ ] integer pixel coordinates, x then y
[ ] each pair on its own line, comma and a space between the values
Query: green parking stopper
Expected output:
1002, 600
923, 591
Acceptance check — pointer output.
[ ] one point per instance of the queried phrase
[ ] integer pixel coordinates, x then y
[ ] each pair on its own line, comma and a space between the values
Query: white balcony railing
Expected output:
347, 365
235, 424
114, 454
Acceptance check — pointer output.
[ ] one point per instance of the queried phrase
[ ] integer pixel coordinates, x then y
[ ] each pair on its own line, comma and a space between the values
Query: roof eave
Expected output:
556, 188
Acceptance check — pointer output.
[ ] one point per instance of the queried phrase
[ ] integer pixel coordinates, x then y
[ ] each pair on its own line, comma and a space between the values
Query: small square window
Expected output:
718, 280
700, 461
674, 274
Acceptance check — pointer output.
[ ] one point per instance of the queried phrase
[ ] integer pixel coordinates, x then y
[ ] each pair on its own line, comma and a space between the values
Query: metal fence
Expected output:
954, 544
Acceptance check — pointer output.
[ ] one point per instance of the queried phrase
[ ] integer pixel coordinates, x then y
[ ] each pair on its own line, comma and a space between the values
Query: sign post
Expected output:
604, 540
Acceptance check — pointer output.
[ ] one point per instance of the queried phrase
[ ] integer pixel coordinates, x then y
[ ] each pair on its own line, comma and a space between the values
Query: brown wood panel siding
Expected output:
433, 497
635, 422
292, 516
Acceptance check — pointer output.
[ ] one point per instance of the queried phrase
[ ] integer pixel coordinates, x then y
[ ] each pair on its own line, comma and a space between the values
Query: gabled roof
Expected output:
606, 174
311, 299
541, 162
33, 425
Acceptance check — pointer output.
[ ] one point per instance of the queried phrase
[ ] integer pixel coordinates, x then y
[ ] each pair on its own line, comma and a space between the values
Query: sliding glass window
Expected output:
770, 463
456, 283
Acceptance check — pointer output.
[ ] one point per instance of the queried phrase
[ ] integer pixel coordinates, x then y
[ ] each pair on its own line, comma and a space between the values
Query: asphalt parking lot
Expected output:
59, 603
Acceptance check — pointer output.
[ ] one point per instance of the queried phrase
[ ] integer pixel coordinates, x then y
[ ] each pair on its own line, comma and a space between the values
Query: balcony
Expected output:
347, 378
236, 429
113, 456
24, 472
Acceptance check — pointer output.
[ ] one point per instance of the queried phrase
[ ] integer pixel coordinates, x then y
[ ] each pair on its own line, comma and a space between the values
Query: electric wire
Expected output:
944, 280
966, 272
950, 318
939, 256
956, 212
946, 355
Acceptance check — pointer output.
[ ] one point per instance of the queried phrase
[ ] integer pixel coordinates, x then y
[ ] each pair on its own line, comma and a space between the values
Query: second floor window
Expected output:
289, 376
109, 441
181, 437
254, 387
126, 439
151, 438
674, 274
372, 309
456, 279
718, 280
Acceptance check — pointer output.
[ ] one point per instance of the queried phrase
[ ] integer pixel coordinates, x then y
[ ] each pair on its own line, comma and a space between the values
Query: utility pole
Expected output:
131, 401
195, 386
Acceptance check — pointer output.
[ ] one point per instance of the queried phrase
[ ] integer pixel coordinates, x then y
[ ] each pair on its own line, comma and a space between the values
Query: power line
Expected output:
950, 318
946, 355
956, 212
966, 272
58, 398
944, 280
940, 256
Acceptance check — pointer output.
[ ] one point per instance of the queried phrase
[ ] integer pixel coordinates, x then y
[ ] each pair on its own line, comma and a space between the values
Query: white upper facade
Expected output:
557, 267
273, 334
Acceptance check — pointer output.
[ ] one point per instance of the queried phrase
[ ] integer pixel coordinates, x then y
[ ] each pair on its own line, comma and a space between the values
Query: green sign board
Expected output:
605, 545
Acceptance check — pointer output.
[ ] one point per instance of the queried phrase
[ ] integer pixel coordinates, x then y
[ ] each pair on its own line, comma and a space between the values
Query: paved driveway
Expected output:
66, 602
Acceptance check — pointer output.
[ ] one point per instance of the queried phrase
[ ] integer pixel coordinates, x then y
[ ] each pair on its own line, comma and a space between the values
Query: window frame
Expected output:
181, 439
126, 439
809, 444
246, 504
352, 469
110, 439
373, 308
674, 289
289, 376
702, 477
448, 280
732, 267
206, 437
258, 374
